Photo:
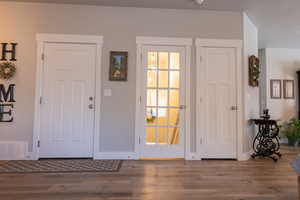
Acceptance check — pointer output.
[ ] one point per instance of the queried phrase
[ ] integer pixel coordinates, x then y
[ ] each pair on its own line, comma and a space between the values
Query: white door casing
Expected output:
66, 121
162, 148
219, 127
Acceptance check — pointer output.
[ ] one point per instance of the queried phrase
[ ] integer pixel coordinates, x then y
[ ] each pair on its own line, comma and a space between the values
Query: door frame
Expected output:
43, 38
163, 41
237, 44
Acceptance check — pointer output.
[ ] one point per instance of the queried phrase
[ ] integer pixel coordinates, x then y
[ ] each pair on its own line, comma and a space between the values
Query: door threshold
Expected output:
161, 159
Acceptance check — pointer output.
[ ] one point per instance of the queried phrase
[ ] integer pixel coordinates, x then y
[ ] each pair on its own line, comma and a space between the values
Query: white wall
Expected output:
282, 64
251, 95
20, 22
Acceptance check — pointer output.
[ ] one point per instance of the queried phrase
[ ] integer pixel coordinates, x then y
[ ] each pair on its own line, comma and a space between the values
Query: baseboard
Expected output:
31, 156
245, 156
13, 150
192, 156
116, 155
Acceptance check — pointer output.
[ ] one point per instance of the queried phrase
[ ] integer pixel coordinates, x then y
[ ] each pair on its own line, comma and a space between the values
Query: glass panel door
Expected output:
164, 97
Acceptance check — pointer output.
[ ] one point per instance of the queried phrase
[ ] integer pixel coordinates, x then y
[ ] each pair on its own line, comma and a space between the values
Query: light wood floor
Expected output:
261, 179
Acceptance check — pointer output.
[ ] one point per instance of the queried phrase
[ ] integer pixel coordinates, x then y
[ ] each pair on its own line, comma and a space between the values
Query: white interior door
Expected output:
67, 110
217, 125
163, 100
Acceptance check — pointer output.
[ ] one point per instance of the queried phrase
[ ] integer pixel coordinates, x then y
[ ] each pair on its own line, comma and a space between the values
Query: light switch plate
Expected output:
107, 92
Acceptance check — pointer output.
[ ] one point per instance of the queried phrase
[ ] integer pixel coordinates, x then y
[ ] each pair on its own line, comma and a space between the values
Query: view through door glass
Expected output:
163, 98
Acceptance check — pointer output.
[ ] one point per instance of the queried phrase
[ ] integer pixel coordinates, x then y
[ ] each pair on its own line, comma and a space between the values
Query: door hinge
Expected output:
201, 141
139, 139
140, 99
39, 143
43, 56
41, 100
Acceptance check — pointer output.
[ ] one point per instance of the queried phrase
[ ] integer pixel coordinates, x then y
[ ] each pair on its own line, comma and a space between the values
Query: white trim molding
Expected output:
116, 155
245, 156
192, 156
60, 38
67, 38
165, 41
169, 41
218, 43
237, 44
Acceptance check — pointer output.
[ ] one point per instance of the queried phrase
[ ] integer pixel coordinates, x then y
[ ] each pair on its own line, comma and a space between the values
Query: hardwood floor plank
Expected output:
260, 179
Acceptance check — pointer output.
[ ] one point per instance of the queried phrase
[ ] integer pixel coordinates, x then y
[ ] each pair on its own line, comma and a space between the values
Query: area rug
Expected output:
60, 166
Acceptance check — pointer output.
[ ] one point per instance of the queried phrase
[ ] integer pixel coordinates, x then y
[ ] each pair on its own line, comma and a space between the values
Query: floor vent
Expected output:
13, 150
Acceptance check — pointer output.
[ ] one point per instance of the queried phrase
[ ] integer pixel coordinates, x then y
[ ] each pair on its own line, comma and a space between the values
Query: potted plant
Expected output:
291, 131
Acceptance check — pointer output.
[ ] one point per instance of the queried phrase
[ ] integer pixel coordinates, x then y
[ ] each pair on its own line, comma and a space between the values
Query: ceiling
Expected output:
277, 20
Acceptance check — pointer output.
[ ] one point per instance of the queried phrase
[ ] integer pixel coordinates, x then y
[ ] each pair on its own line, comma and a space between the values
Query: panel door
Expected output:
218, 110
67, 118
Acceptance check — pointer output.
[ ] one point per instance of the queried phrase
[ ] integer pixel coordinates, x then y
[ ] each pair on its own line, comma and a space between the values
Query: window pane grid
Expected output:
176, 107
169, 126
165, 70
161, 66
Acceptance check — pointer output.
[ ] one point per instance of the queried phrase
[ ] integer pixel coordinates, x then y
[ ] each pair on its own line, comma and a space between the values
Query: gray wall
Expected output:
21, 21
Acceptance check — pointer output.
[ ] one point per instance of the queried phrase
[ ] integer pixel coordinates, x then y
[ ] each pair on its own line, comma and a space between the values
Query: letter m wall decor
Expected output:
6, 100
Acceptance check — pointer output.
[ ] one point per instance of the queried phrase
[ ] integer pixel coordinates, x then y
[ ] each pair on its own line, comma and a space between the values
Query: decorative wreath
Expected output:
7, 70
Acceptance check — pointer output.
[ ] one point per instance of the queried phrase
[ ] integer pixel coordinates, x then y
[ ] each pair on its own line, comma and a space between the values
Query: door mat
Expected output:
60, 166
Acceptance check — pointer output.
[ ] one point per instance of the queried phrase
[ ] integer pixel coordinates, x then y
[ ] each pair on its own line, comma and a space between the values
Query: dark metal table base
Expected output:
266, 142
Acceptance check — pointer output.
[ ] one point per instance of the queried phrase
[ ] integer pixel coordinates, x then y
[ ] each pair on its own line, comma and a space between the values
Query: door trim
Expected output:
237, 44
43, 38
164, 41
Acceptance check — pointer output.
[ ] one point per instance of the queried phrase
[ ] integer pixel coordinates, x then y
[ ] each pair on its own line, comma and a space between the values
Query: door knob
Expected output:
234, 108
91, 106
182, 107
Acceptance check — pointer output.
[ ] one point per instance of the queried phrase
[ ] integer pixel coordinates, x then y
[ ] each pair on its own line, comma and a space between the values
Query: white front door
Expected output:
217, 122
163, 99
68, 91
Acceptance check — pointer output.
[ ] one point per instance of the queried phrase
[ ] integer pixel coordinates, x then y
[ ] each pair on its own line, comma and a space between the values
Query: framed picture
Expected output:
275, 89
288, 89
118, 66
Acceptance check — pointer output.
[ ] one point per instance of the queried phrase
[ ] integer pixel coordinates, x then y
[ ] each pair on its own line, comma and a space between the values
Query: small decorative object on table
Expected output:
266, 142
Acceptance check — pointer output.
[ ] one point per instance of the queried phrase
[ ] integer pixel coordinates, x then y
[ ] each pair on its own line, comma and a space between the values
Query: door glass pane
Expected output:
174, 98
152, 78
152, 60
174, 117
162, 116
163, 60
150, 135
163, 79
151, 97
162, 97
163, 91
162, 135
151, 116
174, 135
174, 79
174, 60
